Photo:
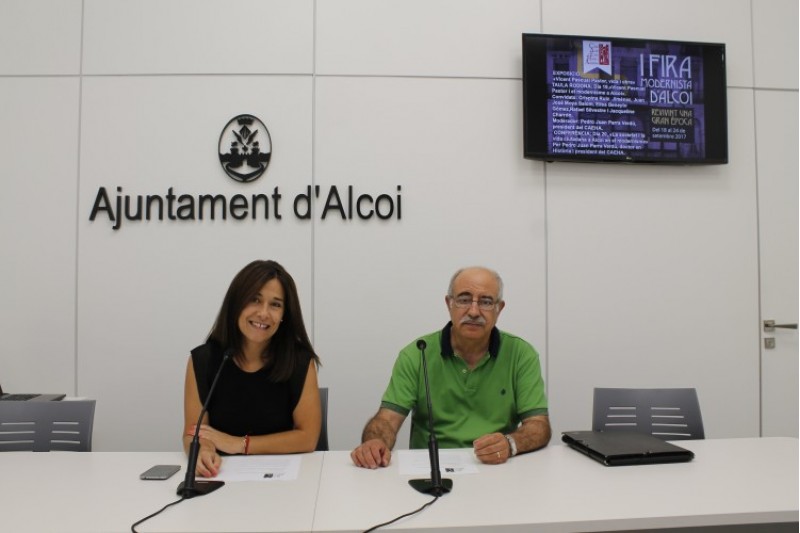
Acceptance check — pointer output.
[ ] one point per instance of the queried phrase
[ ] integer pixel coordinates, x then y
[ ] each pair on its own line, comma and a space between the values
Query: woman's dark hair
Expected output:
289, 343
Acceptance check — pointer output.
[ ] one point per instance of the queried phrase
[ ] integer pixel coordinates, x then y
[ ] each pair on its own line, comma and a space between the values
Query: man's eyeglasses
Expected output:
462, 301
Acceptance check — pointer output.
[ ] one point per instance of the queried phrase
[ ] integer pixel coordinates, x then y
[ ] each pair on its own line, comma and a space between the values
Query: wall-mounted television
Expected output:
624, 100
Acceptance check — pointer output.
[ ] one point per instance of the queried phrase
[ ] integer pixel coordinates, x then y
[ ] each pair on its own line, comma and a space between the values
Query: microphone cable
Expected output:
133, 527
373, 528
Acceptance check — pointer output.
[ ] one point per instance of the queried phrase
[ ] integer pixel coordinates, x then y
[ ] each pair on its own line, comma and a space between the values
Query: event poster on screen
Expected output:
616, 99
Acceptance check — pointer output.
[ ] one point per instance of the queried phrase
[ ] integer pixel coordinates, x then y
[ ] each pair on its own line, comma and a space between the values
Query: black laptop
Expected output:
618, 448
29, 397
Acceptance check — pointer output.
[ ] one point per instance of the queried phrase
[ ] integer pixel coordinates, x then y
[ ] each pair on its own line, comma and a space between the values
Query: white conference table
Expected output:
730, 481
102, 492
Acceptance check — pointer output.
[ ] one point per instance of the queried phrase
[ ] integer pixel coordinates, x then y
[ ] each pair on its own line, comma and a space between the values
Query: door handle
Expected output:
770, 325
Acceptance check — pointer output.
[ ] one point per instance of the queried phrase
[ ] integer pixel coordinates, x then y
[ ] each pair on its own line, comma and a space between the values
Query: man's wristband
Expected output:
512, 445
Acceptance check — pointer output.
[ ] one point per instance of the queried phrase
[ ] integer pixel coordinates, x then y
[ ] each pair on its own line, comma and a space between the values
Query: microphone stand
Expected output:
190, 487
435, 485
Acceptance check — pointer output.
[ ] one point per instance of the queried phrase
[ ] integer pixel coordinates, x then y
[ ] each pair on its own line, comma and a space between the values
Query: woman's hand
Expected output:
208, 460
223, 442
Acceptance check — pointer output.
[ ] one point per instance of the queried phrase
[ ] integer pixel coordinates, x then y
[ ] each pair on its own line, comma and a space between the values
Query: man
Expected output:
486, 385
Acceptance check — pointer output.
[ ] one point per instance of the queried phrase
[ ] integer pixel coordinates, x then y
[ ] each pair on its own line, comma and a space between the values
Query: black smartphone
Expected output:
159, 472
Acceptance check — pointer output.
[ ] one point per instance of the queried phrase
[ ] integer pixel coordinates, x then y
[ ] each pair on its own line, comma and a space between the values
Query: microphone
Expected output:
190, 486
435, 485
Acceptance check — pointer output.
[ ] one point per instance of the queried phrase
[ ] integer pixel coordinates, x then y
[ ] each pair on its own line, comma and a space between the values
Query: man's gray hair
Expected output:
489, 270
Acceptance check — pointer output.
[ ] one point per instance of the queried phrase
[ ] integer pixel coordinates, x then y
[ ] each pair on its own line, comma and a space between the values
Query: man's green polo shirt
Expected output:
505, 387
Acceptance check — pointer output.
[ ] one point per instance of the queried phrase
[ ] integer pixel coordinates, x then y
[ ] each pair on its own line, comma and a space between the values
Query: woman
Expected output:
267, 397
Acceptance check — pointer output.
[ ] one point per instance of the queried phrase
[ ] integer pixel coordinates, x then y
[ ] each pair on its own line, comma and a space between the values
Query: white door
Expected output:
777, 161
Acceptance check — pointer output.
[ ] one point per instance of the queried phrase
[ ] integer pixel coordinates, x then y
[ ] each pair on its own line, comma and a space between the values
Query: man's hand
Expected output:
492, 449
378, 439
371, 454
532, 434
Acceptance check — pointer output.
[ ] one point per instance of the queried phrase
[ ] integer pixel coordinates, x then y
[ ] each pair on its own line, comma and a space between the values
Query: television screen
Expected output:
625, 100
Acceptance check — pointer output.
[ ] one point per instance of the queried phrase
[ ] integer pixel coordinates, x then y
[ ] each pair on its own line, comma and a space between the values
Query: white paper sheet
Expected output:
259, 468
451, 462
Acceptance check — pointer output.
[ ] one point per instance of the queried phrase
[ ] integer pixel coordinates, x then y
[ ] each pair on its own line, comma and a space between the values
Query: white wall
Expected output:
620, 275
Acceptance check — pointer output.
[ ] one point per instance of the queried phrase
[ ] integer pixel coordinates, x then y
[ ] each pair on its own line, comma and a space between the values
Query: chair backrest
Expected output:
322, 443
670, 414
47, 426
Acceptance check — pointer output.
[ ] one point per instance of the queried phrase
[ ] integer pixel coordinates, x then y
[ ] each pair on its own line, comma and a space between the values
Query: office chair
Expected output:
47, 426
670, 414
322, 443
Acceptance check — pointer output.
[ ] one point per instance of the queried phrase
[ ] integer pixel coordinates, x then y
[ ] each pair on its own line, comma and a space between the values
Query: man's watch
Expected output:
512, 445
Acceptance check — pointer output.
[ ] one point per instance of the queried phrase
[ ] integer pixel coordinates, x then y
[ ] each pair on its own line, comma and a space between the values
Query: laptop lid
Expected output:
29, 397
618, 448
